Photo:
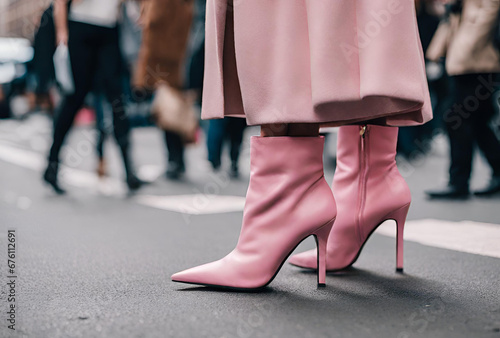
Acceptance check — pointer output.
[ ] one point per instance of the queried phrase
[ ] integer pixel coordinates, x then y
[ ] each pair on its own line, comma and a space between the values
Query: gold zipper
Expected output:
362, 131
362, 177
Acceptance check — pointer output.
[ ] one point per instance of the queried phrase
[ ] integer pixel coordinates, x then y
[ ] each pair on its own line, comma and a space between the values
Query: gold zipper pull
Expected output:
362, 131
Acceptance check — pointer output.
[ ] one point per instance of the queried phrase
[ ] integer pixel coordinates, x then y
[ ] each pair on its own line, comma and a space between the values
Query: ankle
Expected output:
292, 129
303, 130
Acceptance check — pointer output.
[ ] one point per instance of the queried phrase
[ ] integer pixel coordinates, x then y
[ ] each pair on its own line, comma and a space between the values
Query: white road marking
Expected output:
109, 186
198, 204
466, 236
37, 126
150, 173
21, 157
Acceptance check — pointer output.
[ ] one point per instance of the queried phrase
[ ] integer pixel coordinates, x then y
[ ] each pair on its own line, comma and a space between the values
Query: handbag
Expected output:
63, 71
173, 110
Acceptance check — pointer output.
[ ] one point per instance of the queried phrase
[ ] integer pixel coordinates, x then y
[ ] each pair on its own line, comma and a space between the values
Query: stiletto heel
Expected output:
321, 240
369, 190
400, 217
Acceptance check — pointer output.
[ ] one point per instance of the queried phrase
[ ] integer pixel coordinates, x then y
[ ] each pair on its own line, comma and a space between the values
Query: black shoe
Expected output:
175, 170
492, 188
451, 193
50, 177
234, 172
134, 183
215, 165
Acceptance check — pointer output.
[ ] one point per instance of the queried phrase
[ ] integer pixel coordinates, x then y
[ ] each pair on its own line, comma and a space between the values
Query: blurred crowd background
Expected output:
154, 79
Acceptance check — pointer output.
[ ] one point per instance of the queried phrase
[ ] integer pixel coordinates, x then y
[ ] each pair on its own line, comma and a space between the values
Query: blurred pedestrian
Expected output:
219, 130
230, 129
466, 39
414, 142
130, 42
166, 25
89, 29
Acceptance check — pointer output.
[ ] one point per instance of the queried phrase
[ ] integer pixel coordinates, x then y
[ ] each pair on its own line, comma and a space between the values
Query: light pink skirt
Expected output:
315, 61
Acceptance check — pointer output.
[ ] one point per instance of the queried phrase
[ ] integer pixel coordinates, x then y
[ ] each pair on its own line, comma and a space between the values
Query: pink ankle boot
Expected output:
288, 200
369, 190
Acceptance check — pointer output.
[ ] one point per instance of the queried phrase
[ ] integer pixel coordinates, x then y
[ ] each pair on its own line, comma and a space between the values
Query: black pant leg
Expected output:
83, 63
110, 73
175, 147
110, 69
236, 126
486, 139
100, 119
489, 145
215, 139
461, 134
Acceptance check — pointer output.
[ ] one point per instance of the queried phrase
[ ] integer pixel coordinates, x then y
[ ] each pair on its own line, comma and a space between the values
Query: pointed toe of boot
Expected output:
202, 275
217, 275
305, 260
183, 277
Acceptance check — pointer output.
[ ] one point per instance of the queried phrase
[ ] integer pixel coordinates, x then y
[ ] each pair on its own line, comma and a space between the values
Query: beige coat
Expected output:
466, 40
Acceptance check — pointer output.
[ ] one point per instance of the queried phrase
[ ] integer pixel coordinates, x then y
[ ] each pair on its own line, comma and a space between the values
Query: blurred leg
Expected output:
215, 139
100, 109
83, 64
98, 99
461, 135
110, 70
486, 139
175, 146
235, 128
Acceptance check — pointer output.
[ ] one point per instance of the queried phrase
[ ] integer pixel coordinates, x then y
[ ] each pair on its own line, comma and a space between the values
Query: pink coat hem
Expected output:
315, 61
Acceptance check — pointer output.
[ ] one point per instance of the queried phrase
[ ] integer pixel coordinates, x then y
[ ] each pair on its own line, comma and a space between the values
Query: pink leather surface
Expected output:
316, 61
288, 199
385, 192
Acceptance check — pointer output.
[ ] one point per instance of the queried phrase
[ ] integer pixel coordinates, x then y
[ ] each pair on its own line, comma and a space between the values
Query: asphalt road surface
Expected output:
97, 262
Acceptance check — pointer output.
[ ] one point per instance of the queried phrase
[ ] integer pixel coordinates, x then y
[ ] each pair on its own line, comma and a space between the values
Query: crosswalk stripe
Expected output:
21, 157
465, 236
109, 186
196, 204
